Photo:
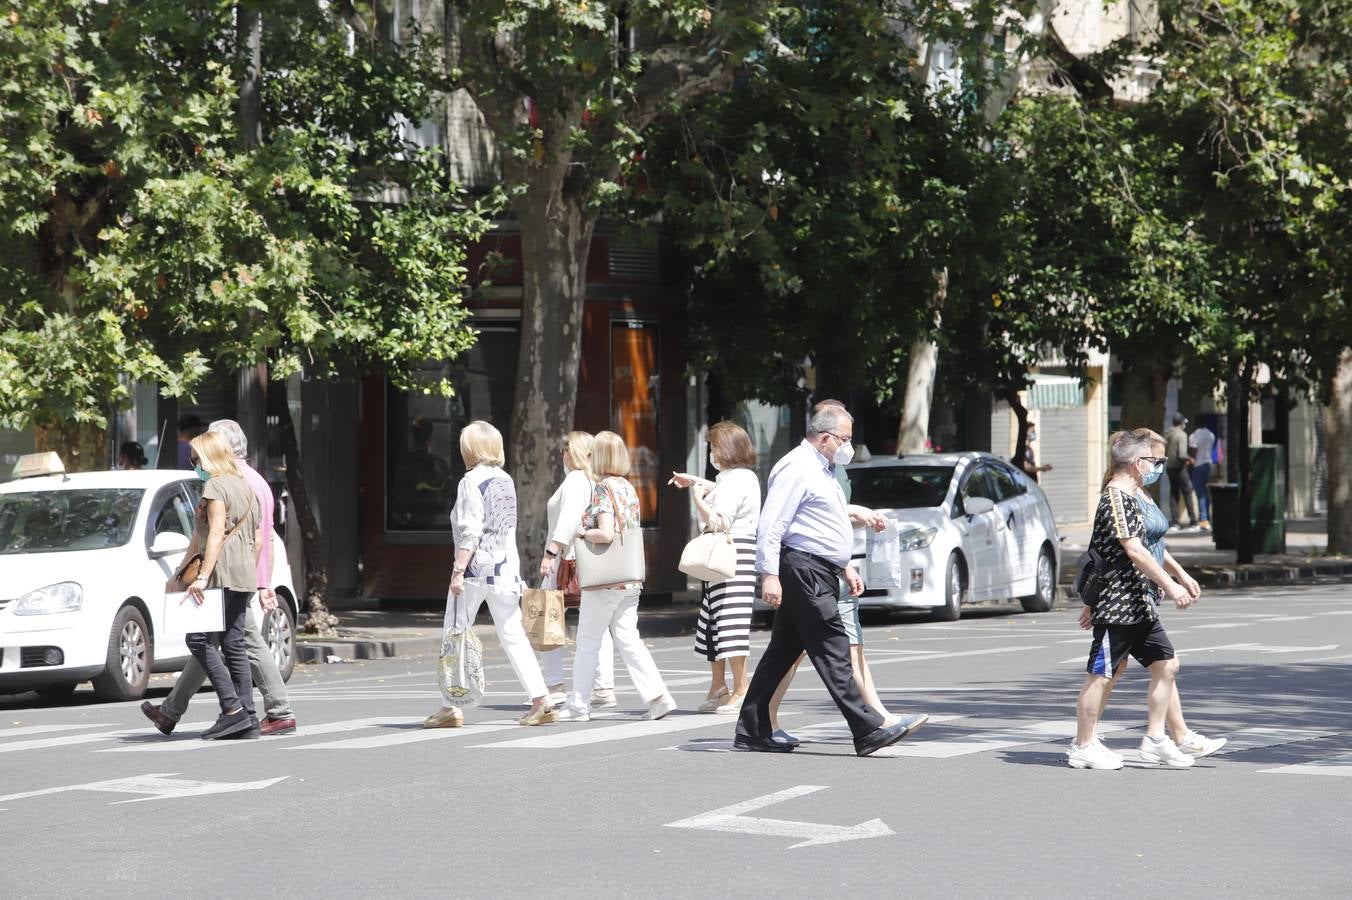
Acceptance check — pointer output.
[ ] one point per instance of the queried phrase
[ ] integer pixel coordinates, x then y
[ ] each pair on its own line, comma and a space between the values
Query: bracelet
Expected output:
550, 553
455, 572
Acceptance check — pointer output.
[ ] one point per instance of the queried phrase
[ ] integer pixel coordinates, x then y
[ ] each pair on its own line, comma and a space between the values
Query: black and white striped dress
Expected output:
724, 627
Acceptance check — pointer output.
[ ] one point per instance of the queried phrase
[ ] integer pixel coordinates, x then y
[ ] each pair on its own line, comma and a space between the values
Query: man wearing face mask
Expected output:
803, 545
1030, 455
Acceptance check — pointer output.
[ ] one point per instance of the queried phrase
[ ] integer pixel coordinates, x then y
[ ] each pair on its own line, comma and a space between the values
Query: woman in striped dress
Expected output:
731, 504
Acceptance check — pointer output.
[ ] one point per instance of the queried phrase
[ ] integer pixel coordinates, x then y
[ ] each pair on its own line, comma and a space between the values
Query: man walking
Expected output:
803, 546
279, 718
1177, 461
1201, 442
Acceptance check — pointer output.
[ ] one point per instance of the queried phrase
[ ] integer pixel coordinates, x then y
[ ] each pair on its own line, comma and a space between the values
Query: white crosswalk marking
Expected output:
413, 734
982, 742
1257, 738
1335, 765
26, 730
194, 742
593, 734
73, 740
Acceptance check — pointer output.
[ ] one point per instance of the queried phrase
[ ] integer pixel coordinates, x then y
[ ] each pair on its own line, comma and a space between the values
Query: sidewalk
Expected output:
370, 630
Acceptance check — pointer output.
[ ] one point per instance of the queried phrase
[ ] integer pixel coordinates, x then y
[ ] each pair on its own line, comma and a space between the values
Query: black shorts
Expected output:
1145, 641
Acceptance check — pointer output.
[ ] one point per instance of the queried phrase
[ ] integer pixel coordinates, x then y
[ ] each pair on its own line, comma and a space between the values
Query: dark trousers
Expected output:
1180, 492
222, 655
807, 620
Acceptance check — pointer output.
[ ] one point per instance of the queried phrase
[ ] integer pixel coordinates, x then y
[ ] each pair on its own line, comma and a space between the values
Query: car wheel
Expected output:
1045, 596
955, 588
130, 657
56, 692
279, 632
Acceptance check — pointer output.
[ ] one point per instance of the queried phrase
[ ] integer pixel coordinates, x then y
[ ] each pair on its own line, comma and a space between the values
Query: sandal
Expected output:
541, 715
710, 704
446, 717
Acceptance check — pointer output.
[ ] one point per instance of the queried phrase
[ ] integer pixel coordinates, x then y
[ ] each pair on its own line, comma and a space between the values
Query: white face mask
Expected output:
844, 453
713, 462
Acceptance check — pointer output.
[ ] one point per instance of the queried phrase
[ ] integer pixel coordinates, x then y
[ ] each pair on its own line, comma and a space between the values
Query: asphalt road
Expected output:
363, 802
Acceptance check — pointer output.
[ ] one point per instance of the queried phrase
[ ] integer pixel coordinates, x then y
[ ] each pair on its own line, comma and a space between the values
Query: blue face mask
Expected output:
201, 473
1154, 474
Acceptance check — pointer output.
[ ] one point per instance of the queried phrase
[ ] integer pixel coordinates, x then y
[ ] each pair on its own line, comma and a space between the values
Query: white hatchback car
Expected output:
83, 561
971, 526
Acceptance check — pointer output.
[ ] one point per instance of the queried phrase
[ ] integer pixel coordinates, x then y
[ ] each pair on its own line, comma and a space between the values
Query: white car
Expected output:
972, 528
83, 561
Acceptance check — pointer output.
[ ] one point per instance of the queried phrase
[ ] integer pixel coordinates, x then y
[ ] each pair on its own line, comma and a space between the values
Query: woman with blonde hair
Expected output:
730, 504
228, 533
613, 607
487, 568
563, 516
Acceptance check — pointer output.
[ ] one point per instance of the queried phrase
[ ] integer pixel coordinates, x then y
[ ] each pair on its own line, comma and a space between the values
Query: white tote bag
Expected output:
460, 667
711, 556
882, 565
619, 562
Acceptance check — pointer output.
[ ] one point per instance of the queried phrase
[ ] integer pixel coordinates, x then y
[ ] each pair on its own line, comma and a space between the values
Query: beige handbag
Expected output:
619, 562
711, 556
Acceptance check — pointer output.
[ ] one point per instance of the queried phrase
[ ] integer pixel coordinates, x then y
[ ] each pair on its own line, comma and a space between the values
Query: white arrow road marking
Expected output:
731, 819
162, 786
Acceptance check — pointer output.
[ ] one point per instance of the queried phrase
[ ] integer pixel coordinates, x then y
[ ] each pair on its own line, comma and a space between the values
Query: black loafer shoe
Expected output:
162, 722
785, 738
885, 737
761, 745
248, 734
229, 724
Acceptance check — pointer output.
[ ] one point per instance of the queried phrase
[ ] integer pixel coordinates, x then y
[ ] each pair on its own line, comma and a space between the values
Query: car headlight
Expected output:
65, 596
916, 538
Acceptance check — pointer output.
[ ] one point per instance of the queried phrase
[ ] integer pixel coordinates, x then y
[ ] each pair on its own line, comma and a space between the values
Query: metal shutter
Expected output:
1062, 440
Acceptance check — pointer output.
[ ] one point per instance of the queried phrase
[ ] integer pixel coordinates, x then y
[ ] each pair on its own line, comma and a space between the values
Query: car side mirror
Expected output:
167, 544
975, 506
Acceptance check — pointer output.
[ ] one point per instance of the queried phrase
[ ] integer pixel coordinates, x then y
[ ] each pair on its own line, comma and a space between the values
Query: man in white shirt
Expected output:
1201, 442
803, 546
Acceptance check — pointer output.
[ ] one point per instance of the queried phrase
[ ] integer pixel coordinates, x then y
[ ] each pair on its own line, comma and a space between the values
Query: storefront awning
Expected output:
1055, 392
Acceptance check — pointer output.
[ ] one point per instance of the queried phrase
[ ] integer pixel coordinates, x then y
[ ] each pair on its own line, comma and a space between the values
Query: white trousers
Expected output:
615, 611
552, 662
505, 607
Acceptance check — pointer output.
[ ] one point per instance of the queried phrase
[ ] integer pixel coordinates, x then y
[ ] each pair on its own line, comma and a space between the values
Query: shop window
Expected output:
635, 398
422, 431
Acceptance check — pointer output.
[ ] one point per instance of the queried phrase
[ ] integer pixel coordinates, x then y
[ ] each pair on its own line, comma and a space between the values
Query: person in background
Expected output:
228, 535
278, 718
563, 516
1030, 455
131, 456
1176, 463
1201, 443
729, 504
487, 567
189, 427
614, 607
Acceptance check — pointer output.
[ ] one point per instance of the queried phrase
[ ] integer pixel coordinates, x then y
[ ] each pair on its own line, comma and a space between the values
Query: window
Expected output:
978, 483
900, 487
422, 431
172, 512
58, 521
635, 398
1006, 485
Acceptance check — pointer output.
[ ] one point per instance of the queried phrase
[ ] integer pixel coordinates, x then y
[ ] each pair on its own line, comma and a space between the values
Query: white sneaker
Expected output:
1098, 741
1199, 745
1092, 756
1164, 752
571, 713
660, 707
603, 698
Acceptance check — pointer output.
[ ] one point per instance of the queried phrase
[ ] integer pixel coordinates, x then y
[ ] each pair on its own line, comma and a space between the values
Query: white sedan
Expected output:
83, 561
971, 528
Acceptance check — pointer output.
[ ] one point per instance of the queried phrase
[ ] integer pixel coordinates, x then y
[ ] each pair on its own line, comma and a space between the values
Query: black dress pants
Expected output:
224, 657
807, 620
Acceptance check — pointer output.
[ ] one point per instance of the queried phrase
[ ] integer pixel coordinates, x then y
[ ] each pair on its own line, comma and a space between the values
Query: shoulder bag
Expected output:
618, 562
711, 556
191, 569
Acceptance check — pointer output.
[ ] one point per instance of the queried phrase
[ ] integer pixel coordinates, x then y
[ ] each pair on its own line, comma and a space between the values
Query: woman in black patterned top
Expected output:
1137, 575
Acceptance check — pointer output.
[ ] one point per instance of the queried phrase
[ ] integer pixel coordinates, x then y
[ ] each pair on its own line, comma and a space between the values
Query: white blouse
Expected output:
484, 520
736, 496
563, 514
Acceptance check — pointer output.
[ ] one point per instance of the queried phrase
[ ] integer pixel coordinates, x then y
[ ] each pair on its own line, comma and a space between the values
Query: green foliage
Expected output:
143, 239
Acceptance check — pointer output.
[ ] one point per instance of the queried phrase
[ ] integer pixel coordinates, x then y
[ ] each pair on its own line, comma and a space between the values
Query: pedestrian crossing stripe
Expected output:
26, 730
559, 740
1335, 765
411, 733
192, 741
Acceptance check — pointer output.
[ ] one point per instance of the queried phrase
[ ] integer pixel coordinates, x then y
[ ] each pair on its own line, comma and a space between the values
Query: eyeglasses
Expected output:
838, 437
1153, 459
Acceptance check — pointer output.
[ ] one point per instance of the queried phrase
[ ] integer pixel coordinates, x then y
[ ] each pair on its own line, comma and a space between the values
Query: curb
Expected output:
1238, 576
350, 649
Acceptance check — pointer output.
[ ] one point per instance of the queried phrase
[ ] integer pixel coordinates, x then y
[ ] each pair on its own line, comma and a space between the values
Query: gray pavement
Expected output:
362, 802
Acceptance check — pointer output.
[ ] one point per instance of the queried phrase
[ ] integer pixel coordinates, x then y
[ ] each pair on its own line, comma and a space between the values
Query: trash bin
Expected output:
1267, 505
1225, 516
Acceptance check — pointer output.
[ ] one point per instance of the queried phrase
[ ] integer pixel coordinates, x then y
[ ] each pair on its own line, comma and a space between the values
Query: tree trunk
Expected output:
318, 620
249, 34
922, 367
1011, 396
1144, 381
1338, 456
556, 233
82, 447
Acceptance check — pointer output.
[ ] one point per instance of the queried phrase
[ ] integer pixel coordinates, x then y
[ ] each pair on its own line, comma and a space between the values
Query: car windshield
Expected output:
53, 521
900, 487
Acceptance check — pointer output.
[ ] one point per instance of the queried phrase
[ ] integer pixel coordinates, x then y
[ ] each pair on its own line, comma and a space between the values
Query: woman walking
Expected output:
613, 607
1137, 573
729, 504
487, 568
228, 534
563, 517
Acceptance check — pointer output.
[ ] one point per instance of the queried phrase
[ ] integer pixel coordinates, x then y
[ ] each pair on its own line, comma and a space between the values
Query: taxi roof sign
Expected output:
32, 465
